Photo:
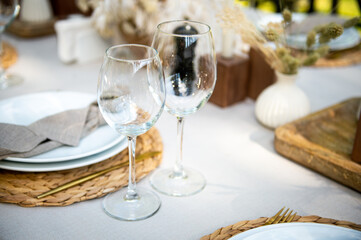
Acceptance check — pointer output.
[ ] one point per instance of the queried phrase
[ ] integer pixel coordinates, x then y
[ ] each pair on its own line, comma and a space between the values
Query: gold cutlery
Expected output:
96, 174
278, 218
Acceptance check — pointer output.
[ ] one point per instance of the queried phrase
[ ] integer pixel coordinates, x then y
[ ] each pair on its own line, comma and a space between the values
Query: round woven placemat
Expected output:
22, 188
9, 56
231, 230
341, 59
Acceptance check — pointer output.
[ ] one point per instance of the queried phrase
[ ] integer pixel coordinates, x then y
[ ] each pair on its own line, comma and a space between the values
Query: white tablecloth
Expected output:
246, 178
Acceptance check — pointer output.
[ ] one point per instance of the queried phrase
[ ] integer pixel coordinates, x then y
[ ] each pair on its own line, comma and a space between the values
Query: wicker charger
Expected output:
342, 58
22, 188
242, 226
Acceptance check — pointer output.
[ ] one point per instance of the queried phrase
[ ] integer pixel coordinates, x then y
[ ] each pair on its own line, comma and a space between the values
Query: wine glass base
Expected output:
164, 182
116, 206
7, 81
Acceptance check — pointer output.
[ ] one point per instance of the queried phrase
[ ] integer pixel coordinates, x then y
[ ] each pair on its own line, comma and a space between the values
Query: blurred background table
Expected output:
246, 178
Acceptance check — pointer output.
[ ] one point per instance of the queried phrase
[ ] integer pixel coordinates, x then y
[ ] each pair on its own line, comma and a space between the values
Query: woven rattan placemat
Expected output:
22, 187
341, 58
242, 226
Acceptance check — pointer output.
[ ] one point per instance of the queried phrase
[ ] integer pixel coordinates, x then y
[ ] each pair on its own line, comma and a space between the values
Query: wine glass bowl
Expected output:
187, 54
131, 97
186, 49
9, 9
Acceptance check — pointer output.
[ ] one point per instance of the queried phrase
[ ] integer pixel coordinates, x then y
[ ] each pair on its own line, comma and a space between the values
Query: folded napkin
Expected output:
65, 128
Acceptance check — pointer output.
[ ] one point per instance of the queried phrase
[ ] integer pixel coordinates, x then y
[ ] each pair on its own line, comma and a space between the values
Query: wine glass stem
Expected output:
131, 192
1, 42
178, 168
1, 53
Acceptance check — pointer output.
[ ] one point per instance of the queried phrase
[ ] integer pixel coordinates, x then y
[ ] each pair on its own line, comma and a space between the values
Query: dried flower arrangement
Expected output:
280, 57
139, 18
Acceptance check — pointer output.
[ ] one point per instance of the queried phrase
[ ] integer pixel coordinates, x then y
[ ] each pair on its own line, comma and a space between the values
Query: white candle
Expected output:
228, 37
35, 11
228, 43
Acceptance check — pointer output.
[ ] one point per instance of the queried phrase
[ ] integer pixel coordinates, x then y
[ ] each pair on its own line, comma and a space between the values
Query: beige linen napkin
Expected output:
65, 128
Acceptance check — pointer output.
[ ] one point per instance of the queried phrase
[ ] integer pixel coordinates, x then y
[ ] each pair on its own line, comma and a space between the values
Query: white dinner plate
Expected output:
348, 39
299, 231
26, 109
56, 166
266, 18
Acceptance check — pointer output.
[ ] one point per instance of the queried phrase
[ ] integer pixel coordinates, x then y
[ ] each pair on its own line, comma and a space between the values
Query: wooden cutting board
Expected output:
323, 142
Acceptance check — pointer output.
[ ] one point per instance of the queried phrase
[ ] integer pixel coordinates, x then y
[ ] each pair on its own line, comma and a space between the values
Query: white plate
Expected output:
299, 231
56, 166
348, 39
26, 109
266, 18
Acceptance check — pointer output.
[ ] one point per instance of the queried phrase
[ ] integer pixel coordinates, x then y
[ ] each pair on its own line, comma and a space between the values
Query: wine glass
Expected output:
186, 49
9, 9
131, 96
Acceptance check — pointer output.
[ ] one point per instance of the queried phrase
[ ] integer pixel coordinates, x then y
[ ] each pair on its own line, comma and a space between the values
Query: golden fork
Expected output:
278, 218
96, 174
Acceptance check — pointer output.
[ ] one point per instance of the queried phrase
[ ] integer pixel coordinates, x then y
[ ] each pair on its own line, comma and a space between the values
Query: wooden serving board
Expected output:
323, 141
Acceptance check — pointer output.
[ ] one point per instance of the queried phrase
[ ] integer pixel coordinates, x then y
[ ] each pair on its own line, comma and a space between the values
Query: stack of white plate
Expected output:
299, 231
99, 145
297, 40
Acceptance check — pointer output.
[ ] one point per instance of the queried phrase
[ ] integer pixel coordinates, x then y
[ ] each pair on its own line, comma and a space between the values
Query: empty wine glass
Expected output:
9, 9
131, 95
186, 49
